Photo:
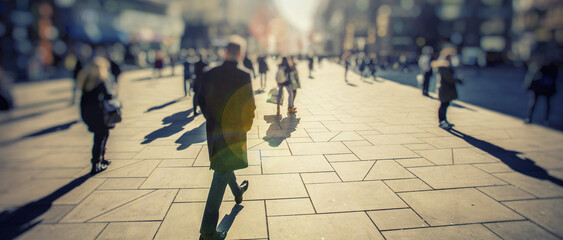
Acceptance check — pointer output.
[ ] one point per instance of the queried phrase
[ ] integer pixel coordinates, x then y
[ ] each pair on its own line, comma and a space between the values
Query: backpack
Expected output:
280, 76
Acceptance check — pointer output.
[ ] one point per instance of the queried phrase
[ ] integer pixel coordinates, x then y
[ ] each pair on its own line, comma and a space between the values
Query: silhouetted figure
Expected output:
294, 77
346, 68
173, 59
77, 69
283, 78
311, 60
91, 81
424, 65
446, 85
248, 64
263, 70
540, 80
198, 72
159, 63
188, 81
227, 103
525, 166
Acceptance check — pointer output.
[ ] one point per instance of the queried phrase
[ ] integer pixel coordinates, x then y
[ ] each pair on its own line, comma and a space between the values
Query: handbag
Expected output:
112, 112
273, 96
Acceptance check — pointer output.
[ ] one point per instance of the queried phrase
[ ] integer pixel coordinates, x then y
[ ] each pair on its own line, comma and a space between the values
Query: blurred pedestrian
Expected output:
294, 77
540, 80
173, 59
263, 70
159, 63
227, 103
425, 68
283, 78
346, 68
248, 64
6, 99
91, 81
311, 60
199, 66
77, 69
446, 85
188, 80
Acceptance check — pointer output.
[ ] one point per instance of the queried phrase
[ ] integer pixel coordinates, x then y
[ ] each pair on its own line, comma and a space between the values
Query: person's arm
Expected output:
249, 106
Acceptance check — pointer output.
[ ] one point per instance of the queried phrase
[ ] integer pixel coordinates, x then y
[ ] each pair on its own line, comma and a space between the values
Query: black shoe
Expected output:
106, 162
243, 188
214, 236
98, 168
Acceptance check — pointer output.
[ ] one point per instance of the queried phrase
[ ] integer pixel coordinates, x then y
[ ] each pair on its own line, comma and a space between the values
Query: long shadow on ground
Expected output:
280, 129
524, 166
163, 105
196, 135
177, 122
229, 219
14, 223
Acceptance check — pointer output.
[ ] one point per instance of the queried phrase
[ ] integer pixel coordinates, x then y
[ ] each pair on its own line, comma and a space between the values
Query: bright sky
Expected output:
299, 13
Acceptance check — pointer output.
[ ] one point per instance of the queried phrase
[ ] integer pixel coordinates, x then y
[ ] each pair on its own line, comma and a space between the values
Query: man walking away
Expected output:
263, 70
248, 64
227, 104
424, 65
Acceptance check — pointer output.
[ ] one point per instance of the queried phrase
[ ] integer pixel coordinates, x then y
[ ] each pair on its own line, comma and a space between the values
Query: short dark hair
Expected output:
236, 45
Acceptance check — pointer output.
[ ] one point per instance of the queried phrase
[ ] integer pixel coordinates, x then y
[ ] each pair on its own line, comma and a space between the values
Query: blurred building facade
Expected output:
479, 28
537, 25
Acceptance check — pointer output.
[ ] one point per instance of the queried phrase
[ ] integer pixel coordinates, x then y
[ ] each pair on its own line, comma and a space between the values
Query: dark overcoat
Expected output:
227, 103
446, 84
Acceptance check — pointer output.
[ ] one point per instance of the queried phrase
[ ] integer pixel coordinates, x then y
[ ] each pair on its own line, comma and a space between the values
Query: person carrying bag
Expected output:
284, 81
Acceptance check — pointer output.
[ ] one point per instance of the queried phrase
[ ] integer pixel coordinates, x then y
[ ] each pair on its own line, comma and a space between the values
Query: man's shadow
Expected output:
163, 105
280, 129
524, 166
176, 122
196, 135
228, 220
16, 222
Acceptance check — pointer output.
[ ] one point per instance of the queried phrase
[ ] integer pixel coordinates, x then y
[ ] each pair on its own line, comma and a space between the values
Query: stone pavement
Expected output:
360, 160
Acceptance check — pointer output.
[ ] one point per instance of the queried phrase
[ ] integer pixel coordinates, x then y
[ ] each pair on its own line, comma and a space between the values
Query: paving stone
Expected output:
519, 230
347, 136
324, 177
468, 155
387, 169
414, 162
274, 186
506, 193
418, 146
396, 219
150, 207
407, 185
465, 232
383, 152
100, 202
438, 156
455, 176
447, 142
318, 148
341, 157
162, 152
357, 143
188, 162
285, 207
494, 167
544, 212
275, 153
457, 206
322, 136
398, 129
184, 220
352, 196
392, 139
193, 195
199, 177
80, 192
324, 226
299, 140
138, 169
121, 183
250, 170
129, 230
64, 231
338, 127
295, 164
538, 187
352, 171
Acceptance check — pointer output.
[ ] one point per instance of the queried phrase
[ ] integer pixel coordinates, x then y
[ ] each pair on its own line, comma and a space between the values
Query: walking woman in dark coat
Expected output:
91, 81
446, 85
540, 80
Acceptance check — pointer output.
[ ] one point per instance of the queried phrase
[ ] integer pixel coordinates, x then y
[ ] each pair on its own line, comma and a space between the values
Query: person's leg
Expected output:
97, 146
426, 83
185, 87
294, 95
214, 199
290, 96
531, 106
442, 111
280, 92
105, 138
195, 103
